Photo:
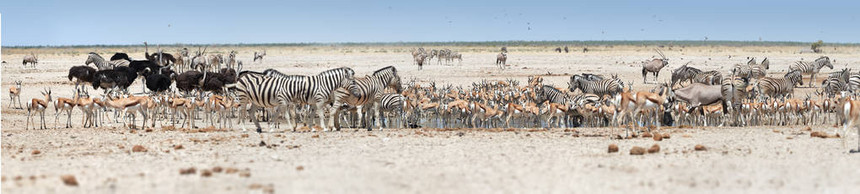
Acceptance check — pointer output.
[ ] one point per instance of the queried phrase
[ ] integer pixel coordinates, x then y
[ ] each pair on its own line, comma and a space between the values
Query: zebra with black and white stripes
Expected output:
854, 82
97, 59
811, 68
684, 73
262, 91
368, 91
600, 87
547, 93
709, 77
779, 87
272, 91
394, 104
321, 88
759, 71
836, 82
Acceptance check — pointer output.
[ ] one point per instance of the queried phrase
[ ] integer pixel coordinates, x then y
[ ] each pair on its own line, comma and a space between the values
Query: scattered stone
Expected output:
460, 134
654, 149
206, 173
686, 136
300, 168
245, 173
244, 135
69, 180
658, 137
647, 135
700, 147
636, 150
186, 171
231, 170
36, 152
789, 137
138, 148
666, 136
613, 148
178, 147
262, 143
315, 136
823, 135
808, 128
217, 169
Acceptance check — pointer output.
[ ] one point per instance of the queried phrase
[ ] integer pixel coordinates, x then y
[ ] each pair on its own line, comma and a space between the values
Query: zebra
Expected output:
779, 87
854, 82
734, 91
96, 59
811, 68
709, 77
592, 77
393, 103
455, 55
758, 71
547, 93
836, 82
600, 87
684, 73
264, 91
368, 91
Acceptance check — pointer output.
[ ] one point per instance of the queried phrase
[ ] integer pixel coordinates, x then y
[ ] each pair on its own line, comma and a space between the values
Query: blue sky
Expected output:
57, 22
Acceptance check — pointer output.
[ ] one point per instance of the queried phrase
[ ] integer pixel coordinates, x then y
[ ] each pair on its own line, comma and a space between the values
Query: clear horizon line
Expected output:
765, 42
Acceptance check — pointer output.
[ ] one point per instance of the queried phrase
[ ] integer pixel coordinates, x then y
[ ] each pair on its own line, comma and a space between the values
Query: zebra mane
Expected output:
336, 71
249, 72
96, 54
385, 70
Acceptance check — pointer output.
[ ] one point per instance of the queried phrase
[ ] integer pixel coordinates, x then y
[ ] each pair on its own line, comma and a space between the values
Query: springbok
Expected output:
38, 105
88, 107
65, 105
128, 105
15, 93
850, 110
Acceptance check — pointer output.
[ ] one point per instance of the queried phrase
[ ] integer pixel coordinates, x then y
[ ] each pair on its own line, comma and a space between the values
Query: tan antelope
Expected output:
65, 105
850, 110
550, 110
514, 110
128, 105
38, 106
15, 93
485, 113
651, 102
88, 107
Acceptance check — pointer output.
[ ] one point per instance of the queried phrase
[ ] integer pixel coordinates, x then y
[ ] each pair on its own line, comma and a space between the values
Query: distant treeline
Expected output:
488, 43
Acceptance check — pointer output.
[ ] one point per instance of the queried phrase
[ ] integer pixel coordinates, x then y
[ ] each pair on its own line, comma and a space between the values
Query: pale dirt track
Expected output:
749, 160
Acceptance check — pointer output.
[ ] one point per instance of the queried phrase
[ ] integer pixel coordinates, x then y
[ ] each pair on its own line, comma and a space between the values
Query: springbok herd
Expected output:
213, 89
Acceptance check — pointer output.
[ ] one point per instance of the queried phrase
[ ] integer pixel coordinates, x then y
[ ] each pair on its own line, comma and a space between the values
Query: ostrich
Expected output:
82, 73
159, 57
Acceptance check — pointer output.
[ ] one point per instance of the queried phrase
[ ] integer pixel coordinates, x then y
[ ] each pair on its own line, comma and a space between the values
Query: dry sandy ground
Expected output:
754, 159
